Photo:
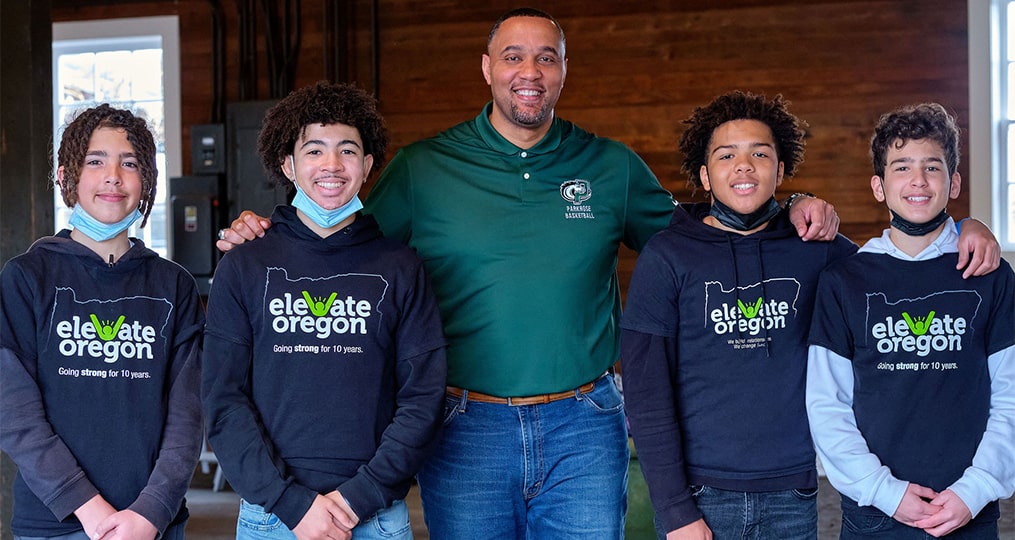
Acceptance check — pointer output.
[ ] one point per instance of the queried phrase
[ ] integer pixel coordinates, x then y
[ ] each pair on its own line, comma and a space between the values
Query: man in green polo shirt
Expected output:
518, 215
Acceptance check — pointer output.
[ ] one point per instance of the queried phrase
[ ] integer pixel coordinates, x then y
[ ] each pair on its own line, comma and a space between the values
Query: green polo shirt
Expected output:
521, 247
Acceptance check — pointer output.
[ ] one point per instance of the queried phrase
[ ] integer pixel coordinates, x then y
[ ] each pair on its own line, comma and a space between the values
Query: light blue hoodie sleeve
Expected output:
851, 467
992, 474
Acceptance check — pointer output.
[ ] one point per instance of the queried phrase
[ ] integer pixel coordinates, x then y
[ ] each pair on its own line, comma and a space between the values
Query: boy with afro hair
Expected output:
324, 368
713, 336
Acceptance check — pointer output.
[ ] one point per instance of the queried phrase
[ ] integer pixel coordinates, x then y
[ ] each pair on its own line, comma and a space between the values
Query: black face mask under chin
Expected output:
917, 229
743, 222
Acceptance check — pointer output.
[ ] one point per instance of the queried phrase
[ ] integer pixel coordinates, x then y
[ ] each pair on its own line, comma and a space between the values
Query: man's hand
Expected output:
976, 237
696, 530
814, 219
126, 525
322, 521
93, 513
914, 506
953, 514
246, 227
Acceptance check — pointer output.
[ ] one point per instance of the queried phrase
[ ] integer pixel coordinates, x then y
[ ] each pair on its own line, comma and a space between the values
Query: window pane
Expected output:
154, 113
76, 77
1011, 31
1009, 104
1010, 237
1009, 165
147, 74
113, 71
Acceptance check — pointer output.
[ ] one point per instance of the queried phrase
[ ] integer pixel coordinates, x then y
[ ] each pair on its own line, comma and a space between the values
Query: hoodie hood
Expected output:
62, 243
687, 221
362, 230
946, 242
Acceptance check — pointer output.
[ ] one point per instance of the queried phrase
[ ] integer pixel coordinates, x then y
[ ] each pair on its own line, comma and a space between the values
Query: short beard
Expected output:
524, 119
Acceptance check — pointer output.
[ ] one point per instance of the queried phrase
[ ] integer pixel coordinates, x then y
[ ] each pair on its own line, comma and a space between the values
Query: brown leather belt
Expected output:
517, 401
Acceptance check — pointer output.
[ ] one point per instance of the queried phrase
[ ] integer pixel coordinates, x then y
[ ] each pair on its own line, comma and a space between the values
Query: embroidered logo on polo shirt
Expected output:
576, 192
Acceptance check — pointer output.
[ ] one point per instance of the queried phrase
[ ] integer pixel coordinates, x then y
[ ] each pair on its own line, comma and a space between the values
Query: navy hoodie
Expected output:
324, 367
98, 383
714, 358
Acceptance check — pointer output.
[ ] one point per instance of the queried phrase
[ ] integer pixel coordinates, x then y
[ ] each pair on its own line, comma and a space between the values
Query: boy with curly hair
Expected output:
99, 351
324, 367
713, 336
911, 380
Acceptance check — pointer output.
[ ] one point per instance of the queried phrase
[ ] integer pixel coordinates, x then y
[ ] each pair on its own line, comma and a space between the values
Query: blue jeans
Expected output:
782, 515
173, 532
555, 470
869, 522
391, 523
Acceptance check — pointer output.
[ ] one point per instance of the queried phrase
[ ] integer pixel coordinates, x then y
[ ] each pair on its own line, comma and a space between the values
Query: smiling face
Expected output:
109, 182
916, 184
525, 67
328, 163
742, 169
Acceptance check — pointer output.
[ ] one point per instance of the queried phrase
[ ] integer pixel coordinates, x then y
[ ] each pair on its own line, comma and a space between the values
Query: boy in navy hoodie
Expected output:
324, 370
713, 347
911, 381
99, 351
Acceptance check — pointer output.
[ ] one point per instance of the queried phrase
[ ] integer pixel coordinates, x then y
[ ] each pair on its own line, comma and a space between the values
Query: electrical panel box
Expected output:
194, 203
248, 186
208, 149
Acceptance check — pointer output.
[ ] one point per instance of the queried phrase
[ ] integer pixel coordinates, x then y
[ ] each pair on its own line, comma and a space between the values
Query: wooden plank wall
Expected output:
635, 69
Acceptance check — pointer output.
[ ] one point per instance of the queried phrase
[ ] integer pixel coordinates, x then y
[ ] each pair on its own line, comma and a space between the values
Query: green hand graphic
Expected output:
106, 330
318, 306
749, 311
919, 326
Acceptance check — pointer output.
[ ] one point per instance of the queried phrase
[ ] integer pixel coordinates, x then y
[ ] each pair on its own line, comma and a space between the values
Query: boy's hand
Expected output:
976, 237
246, 227
126, 525
321, 522
814, 219
350, 520
93, 513
953, 514
696, 530
914, 506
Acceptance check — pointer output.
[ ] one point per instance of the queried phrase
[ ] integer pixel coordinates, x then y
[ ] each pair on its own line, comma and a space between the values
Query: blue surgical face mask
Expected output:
325, 218
97, 230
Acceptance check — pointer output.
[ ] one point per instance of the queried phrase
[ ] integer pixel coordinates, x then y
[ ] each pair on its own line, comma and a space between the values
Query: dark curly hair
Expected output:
911, 123
322, 103
788, 130
74, 146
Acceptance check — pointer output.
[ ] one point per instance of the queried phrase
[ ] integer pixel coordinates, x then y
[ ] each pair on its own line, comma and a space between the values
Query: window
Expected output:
991, 151
1006, 116
131, 64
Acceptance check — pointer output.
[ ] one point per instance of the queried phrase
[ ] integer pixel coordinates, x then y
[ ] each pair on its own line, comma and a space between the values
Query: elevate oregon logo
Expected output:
111, 341
321, 316
750, 318
922, 334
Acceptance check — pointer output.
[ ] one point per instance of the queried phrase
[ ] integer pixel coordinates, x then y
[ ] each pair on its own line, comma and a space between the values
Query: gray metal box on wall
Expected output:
248, 187
194, 202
